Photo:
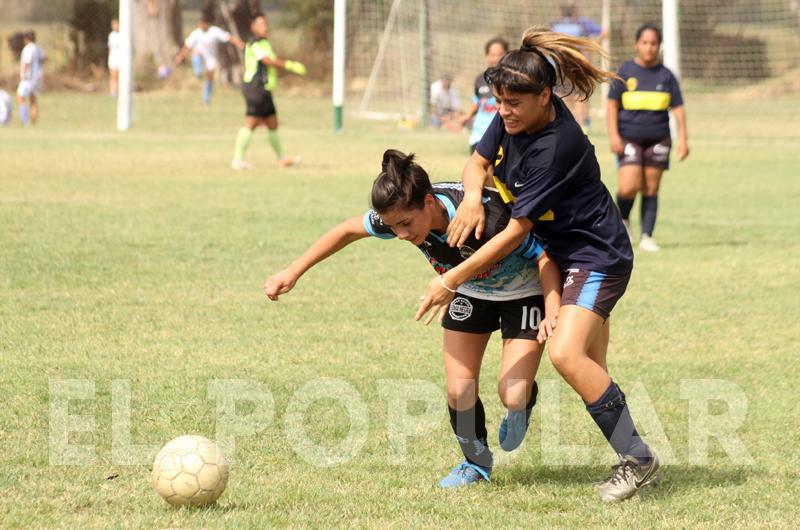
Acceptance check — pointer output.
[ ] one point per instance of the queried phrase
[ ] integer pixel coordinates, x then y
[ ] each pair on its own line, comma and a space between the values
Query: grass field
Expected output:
140, 257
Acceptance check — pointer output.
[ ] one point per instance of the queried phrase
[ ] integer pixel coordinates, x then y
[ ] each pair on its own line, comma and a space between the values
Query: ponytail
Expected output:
547, 58
402, 183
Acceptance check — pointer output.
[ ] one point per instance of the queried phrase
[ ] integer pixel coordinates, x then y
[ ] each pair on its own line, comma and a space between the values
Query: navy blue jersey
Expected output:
645, 97
514, 277
552, 177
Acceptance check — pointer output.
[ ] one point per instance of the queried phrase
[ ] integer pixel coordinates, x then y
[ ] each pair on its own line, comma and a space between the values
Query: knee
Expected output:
627, 191
563, 360
461, 393
513, 394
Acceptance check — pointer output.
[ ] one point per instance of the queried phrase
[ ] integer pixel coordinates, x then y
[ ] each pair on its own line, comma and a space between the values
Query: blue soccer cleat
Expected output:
465, 474
513, 427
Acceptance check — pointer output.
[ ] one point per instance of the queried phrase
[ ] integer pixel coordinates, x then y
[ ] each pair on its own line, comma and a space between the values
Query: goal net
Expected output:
396, 47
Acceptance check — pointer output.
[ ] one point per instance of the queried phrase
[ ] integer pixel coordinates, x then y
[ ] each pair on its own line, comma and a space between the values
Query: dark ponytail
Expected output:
401, 183
547, 58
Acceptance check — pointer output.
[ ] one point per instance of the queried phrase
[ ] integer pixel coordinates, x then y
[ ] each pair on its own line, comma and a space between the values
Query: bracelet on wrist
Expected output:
441, 281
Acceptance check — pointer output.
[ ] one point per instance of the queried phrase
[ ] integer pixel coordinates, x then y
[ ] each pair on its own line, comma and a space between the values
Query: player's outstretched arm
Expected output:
181, 55
295, 67
470, 215
237, 42
330, 243
550, 278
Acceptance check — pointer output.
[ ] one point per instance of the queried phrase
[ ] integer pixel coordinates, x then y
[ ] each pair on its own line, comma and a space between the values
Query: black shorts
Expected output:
646, 153
595, 291
259, 101
518, 319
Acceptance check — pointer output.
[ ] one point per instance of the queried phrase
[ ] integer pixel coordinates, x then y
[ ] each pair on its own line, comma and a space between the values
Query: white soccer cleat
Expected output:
240, 165
648, 244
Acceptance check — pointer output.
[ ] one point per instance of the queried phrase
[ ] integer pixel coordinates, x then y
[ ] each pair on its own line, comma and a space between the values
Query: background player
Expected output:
260, 78
203, 42
484, 106
31, 78
113, 58
507, 296
573, 24
638, 127
546, 169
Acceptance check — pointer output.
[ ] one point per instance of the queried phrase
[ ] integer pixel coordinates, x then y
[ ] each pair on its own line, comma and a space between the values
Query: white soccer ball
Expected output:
190, 471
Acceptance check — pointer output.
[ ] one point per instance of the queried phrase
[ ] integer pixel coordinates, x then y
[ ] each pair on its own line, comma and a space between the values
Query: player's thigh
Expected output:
271, 122
463, 354
652, 180
629, 180
598, 349
577, 330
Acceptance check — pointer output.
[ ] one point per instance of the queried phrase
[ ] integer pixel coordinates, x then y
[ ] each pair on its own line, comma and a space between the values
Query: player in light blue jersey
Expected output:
484, 106
519, 295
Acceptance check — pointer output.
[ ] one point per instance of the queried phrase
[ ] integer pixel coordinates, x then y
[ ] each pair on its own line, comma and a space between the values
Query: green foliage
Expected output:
91, 20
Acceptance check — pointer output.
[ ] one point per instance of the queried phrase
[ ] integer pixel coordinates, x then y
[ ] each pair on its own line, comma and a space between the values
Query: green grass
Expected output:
141, 256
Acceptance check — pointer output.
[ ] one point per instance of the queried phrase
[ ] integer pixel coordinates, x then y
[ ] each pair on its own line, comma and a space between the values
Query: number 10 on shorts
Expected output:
531, 316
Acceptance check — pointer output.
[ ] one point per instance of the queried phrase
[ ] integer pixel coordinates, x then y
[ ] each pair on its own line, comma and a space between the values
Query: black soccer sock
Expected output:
625, 206
649, 212
611, 414
532, 400
469, 427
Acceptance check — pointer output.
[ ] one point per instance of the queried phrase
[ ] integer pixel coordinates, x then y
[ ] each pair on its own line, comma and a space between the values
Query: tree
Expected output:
158, 31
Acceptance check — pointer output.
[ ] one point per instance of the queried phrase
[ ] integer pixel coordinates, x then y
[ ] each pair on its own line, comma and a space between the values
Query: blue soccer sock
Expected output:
625, 206
24, 115
197, 65
611, 414
208, 87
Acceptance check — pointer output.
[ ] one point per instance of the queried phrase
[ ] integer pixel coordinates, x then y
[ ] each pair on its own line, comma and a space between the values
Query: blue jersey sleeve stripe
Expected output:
371, 229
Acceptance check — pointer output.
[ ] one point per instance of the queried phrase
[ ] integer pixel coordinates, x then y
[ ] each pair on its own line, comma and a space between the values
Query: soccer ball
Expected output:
164, 71
190, 471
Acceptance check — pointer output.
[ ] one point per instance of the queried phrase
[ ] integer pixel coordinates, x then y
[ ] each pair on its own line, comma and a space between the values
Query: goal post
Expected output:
125, 91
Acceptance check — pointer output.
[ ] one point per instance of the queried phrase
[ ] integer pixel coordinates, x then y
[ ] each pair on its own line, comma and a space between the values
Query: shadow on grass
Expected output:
673, 478
222, 507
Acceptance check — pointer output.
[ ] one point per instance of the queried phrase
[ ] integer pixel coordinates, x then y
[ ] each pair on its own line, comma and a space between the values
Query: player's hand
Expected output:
296, 67
546, 328
683, 151
469, 216
617, 145
436, 300
278, 284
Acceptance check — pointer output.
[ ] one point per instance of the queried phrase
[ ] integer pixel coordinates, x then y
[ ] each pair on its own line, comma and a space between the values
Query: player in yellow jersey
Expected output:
260, 77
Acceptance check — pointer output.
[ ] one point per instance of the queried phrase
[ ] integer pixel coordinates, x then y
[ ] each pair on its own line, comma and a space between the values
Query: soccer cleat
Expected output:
513, 427
289, 161
627, 477
239, 165
648, 244
465, 474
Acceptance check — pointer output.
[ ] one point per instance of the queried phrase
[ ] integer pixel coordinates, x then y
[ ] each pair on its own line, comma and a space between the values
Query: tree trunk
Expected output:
158, 31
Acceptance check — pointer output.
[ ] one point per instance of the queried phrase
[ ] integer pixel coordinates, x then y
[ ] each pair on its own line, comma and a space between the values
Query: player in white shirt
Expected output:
445, 104
203, 42
31, 75
114, 44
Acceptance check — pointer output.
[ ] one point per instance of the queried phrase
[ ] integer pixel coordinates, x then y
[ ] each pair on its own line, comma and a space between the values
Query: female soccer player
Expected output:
484, 107
260, 77
203, 43
31, 79
638, 125
546, 169
506, 296
113, 58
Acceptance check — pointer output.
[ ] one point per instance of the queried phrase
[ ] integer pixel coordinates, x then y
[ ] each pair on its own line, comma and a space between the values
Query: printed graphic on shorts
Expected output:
460, 309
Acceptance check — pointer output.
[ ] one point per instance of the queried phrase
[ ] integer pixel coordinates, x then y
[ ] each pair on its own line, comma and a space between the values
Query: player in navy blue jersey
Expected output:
507, 295
638, 125
547, 171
